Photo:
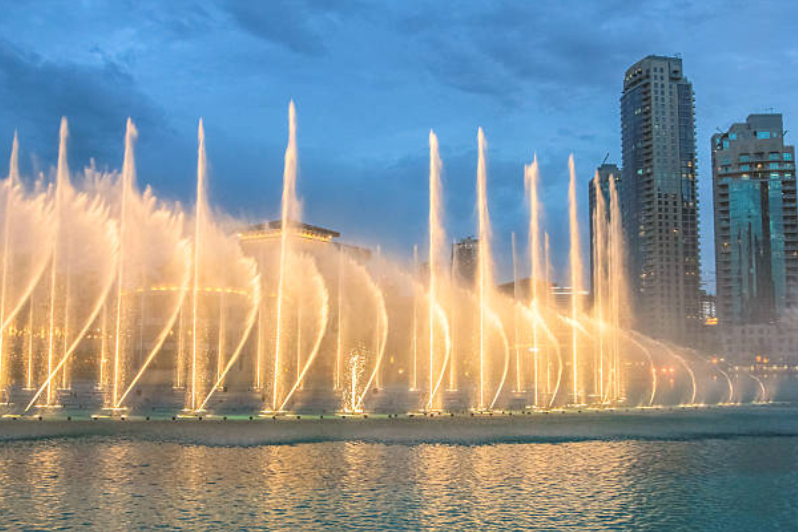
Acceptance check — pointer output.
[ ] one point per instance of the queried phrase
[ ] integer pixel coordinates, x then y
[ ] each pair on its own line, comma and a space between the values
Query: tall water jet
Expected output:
535, 277
13, 165
198, 231
26, 247
599, 259
79, 282
289, 215
484, 266
576, 274
105, 272
155, 264
62, 180
617, 284
436, 244
11, 183
128, 173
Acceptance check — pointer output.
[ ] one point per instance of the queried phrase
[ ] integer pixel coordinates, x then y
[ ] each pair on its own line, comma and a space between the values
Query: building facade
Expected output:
465, 258
756, 221
756, 238
659, 201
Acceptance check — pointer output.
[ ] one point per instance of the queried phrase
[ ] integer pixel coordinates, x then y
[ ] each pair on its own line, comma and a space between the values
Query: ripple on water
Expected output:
107, 484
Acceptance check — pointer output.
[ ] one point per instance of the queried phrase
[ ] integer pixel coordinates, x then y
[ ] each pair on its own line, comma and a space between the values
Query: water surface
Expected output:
698, 482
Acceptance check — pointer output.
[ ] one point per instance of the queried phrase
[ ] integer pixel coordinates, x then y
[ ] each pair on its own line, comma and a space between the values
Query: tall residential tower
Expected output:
659, 199
756, 222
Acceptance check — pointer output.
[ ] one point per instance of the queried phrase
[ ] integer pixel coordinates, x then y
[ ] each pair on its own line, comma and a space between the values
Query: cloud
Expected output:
300, 26
514, 51
96, 99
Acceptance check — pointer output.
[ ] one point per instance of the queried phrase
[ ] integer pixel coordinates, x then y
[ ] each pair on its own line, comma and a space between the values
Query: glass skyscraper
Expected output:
659, 203
756, 221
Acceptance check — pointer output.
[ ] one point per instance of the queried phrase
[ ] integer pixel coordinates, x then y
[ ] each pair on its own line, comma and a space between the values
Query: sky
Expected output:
370, 79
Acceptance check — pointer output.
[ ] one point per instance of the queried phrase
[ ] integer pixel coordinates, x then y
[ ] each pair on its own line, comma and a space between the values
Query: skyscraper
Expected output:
659, 202
756, 221
464, 260
605, 172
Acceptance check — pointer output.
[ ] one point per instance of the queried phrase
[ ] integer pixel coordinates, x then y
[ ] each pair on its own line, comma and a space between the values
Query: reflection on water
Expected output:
112, 484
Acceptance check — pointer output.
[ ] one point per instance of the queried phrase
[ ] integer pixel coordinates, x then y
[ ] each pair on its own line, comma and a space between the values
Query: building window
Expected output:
774, 166
745, 158
763, 134
732, 136
745, 167
788, 156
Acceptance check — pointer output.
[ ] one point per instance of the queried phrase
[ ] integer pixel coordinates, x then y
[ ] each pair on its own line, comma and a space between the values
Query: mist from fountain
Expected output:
113, 299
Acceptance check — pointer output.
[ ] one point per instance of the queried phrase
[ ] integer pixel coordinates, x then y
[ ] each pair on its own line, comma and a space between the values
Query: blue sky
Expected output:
369, 80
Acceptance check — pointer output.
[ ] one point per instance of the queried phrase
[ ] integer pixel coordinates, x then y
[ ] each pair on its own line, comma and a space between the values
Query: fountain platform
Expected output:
555, 426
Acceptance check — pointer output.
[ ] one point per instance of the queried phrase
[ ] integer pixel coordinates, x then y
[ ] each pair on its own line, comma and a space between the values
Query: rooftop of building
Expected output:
769, 121
639, 71
301, 229
758, 127
609, 169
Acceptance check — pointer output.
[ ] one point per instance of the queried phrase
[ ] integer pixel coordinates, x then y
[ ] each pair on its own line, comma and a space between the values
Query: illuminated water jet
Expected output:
536, 277
289, 214
576, 276
132, 305
484, 268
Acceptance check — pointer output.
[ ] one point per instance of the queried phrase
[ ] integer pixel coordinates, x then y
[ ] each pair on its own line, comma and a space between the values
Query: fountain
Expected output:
113, 300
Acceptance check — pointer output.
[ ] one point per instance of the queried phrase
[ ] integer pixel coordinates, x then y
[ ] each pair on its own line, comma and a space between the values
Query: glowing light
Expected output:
117, 268
483, 267
576, 275
289, 208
